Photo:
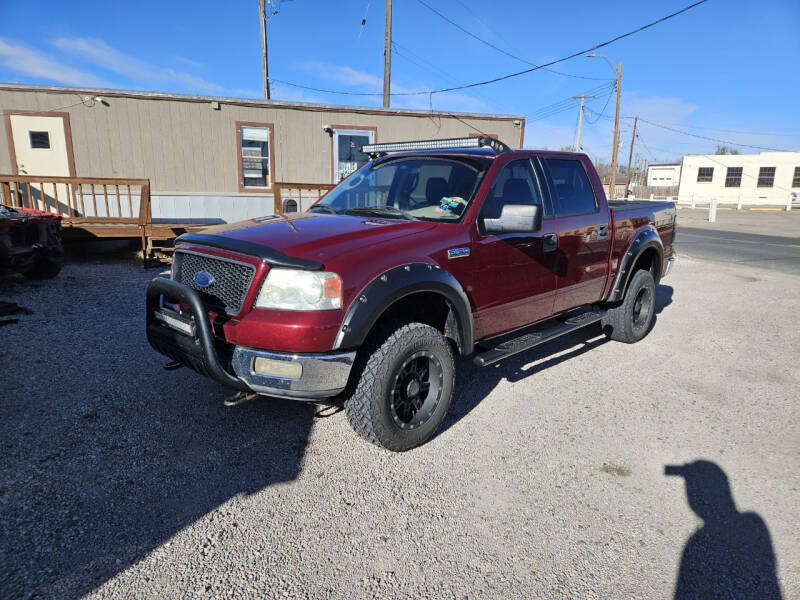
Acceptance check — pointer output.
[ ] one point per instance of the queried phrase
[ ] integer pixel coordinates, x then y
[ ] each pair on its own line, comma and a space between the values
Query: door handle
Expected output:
602, 232
549, 242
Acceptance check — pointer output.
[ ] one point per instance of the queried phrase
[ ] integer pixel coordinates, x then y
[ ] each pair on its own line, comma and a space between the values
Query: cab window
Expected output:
515, 184
574, 193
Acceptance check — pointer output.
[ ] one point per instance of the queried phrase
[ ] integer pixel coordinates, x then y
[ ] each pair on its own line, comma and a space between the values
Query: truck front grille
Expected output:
230, 280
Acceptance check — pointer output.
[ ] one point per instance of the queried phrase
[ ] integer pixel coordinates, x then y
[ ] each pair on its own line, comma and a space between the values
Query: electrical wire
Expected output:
497, 48
509, 75
646, 147
605, 106
363, 22
719, 141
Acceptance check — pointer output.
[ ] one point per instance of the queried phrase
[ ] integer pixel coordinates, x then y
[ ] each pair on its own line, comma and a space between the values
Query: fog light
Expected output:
277, 368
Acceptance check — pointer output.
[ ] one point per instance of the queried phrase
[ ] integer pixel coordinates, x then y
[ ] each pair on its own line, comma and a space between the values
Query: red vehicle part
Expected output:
30, 242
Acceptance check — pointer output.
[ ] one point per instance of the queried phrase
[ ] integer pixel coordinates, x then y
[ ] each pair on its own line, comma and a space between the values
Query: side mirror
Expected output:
516, 218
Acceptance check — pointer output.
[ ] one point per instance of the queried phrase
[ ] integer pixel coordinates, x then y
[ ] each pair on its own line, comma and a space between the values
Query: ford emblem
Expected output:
203, 279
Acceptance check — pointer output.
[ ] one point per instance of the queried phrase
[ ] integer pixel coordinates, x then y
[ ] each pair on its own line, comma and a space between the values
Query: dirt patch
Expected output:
618, 470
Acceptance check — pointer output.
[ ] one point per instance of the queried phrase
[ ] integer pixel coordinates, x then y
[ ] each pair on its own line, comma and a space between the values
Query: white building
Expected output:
764, 178
663, 174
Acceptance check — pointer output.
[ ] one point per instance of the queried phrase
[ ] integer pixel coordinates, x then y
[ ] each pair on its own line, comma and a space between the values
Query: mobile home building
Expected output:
210, 159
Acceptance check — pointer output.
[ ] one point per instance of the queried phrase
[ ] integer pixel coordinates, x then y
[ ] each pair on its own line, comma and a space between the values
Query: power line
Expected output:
719, 141
605, 106
703, 137
772, 134
497, 48
645, 146
509, 75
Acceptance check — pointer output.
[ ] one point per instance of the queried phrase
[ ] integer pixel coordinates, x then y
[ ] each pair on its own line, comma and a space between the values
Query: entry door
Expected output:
347, 155
42, 147
514, 283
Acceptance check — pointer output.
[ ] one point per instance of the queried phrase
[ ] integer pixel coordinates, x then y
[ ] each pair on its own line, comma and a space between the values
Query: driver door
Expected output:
514, 277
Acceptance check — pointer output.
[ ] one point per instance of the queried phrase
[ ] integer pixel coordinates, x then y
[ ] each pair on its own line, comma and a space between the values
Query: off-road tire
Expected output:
387, 356
630, 321
44, 269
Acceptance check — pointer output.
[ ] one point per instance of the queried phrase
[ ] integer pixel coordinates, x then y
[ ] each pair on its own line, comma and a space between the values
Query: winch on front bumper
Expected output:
190, 340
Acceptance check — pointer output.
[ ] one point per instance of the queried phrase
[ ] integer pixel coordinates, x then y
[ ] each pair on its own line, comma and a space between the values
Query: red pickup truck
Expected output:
430, 249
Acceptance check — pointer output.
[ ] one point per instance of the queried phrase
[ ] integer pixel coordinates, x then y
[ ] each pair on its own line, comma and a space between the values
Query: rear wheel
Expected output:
405, 386
630, 321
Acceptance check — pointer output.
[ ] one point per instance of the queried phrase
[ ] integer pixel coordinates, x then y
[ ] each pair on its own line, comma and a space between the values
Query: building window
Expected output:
347, 155
40, 139
766, 176
255, 155
733, 178
705, 174
796, 178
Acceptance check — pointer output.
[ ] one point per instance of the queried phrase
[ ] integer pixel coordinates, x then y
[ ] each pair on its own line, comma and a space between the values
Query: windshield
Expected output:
425, 188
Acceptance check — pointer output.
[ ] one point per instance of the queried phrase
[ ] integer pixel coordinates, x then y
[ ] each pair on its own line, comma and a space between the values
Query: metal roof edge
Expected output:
117, 93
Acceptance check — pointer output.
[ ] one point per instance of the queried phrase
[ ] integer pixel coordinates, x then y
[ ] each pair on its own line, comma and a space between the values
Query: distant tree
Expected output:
567, 148
726, 150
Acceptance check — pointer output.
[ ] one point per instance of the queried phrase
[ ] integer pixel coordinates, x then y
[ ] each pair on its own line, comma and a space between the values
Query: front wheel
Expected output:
405, 387
630, 321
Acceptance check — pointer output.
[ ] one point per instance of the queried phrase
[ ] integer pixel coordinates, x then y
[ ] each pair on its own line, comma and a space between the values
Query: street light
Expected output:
615, 147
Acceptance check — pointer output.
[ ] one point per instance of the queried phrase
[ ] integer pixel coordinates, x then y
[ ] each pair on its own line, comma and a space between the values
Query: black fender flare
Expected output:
644, 239
396, 283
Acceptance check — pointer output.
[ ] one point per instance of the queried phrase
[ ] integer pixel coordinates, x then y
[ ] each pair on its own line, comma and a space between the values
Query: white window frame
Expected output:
241, 126
335, 135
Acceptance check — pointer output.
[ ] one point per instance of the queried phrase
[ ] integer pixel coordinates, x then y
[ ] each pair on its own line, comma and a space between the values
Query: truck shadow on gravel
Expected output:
106, 456
473, 383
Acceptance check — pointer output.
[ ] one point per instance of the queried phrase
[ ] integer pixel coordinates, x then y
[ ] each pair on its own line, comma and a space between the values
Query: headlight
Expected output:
294, 289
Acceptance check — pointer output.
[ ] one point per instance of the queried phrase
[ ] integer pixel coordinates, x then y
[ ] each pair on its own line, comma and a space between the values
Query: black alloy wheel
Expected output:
416, 390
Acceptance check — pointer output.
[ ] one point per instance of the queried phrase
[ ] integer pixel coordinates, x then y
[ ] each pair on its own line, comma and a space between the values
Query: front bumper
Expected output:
323, 375
190, 341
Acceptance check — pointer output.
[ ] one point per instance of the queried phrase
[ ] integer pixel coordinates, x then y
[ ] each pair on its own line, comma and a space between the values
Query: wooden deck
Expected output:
94, 207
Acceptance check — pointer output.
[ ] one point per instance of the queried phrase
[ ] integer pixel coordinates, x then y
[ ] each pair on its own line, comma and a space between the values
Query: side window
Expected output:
574, 193
515, 184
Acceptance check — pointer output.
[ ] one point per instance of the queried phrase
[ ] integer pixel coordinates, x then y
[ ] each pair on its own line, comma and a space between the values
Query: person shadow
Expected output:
730, 555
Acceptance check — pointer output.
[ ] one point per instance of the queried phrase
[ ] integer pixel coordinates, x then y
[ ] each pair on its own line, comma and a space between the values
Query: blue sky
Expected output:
727, 69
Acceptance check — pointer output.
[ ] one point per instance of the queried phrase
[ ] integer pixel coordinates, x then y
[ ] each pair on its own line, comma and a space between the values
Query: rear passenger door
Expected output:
583, 232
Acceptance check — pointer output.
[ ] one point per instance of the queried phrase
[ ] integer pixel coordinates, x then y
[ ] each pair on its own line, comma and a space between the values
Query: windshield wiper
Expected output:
380, 211
323, 208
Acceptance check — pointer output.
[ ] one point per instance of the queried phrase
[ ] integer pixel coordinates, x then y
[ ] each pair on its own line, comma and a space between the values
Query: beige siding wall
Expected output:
183, 146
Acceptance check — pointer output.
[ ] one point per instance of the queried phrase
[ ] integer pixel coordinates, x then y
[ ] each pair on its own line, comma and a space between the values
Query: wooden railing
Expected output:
286, 192
119, 208
81, 198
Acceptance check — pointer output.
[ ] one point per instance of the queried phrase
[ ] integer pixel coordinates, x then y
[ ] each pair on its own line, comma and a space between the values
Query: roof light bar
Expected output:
446, 144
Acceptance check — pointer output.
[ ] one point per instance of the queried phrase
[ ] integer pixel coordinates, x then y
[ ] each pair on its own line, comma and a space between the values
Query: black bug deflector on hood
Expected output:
266, 253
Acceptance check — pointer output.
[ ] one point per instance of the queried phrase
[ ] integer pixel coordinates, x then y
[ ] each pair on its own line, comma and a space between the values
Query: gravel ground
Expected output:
121, 480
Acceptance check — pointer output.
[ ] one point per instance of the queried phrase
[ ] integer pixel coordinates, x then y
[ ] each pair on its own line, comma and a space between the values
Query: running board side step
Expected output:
529, 340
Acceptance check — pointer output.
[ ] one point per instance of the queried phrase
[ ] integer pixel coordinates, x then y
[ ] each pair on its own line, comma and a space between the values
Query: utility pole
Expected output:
583, 98
262, 17
630, 156
615, 149
387, 54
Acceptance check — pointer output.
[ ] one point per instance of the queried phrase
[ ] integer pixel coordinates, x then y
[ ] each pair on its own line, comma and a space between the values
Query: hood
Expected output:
318, 237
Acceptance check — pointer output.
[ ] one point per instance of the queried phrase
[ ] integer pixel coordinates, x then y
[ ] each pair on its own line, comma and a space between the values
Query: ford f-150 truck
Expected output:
431, 249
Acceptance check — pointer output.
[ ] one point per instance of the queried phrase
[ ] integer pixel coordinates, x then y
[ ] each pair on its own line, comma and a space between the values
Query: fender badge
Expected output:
458, 253
203, 279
